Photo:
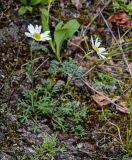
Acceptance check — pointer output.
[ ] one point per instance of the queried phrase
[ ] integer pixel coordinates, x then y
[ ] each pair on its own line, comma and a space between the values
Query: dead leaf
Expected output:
121, 18
123, 107
100, 100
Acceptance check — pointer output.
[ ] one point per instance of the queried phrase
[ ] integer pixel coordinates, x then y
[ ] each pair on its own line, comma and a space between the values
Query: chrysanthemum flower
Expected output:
35, 33
101, 51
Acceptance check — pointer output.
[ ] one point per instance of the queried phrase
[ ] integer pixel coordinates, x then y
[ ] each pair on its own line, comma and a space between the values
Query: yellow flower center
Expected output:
96, 48
37, 36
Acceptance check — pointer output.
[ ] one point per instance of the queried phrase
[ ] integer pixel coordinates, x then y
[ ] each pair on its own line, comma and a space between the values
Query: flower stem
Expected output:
32, 80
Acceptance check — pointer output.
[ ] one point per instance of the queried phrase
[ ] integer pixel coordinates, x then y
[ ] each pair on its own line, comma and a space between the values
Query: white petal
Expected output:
46, 38
31, 28
101, 56
28, 34
101, 49
97, 42
92, 41
104, 53
45, 34
38, 28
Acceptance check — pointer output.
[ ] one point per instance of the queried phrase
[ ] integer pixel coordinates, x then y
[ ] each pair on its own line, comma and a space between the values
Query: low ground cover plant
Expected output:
65, 114
48, 149
123, 5
28, 5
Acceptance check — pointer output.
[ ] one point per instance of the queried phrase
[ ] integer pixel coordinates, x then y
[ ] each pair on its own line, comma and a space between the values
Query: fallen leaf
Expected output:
103, 101
100, 100
123, 107
121, 18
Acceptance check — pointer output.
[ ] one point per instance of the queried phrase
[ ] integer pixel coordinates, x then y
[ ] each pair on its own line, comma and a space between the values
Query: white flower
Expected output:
101, 51
35, 33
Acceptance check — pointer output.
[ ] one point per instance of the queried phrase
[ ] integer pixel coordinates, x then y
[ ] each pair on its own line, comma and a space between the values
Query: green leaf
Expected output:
34, 2
129, 8
44, 19
72, 27
45, 25
44, 2
44, 12
24, 2
63, 32
59, 25
59, 37
29, 8
22, 10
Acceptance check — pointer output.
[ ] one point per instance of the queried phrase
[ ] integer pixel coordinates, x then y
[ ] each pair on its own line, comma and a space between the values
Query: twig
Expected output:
85, 74
78, 47
119, 133
125, 59
109, 27
34, 60
40, 65
96, 16
118, 44
118, 107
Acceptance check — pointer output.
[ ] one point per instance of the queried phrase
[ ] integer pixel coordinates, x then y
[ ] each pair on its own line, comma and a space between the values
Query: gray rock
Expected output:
4, 156
130, 158
10, 32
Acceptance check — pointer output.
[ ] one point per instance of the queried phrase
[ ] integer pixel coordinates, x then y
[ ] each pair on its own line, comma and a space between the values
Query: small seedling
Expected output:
107, 82
45, 151
27, 5
129, 133
124, 5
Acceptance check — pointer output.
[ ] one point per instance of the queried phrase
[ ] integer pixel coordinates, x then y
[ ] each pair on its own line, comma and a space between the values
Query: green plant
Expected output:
38, 47
63, 31
35, 128
78, 130
24, 157
107, 81
62, 112
105, 115
46, 150
27, 71
129, 133
24, 8
67, 68
27, 5
124, 5
28, 68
